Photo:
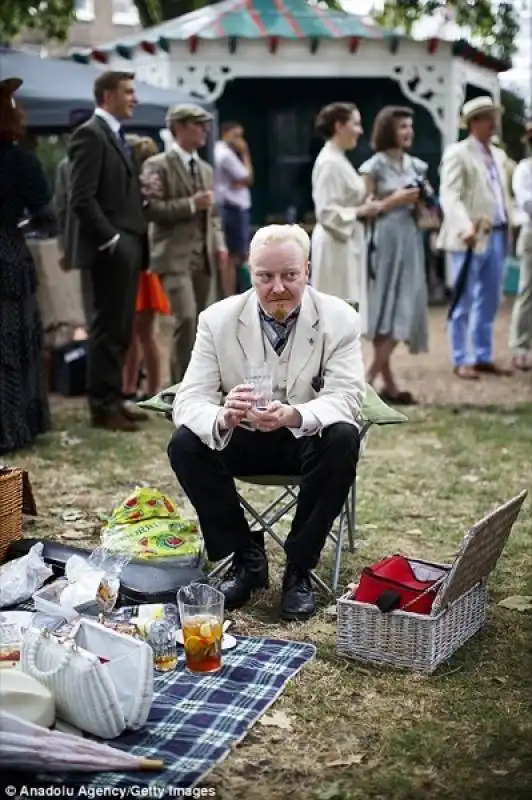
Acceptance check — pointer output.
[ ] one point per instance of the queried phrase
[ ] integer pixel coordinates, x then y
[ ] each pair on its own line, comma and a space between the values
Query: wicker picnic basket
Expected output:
11, 502
423, 642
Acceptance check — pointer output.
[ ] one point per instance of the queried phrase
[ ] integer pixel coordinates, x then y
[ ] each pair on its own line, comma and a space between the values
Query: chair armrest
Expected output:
374, 410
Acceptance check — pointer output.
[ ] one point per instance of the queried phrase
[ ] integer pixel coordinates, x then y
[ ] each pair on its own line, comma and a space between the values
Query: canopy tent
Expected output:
54, 88
276, 22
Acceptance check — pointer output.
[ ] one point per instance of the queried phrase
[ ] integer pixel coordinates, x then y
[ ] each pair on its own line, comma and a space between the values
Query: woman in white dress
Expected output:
339, 250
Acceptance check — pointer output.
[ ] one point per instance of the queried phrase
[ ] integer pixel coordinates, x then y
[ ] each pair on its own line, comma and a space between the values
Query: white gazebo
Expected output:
202, 52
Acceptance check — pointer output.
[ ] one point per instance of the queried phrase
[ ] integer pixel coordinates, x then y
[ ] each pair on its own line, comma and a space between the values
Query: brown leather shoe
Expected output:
493, 369
114, 421
466, 373
134, 414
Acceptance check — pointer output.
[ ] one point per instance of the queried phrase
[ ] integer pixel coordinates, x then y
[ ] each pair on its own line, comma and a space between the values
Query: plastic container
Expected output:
47, 601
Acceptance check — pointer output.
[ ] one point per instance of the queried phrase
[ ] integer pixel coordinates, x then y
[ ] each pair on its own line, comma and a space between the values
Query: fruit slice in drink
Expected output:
202, 638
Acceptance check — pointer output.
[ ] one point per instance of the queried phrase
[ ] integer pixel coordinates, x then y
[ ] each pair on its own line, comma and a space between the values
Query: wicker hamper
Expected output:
11, 502
422, 642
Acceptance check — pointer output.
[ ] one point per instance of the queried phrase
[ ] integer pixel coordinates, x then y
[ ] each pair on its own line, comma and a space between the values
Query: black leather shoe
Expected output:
298, 601
248, 572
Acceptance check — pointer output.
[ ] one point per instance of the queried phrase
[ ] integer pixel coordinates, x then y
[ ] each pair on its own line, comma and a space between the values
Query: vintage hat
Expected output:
528, 133
11, 84
26, 697
187, 112
477, 107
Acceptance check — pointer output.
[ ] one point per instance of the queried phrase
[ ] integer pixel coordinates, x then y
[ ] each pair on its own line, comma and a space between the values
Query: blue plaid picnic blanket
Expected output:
196, 719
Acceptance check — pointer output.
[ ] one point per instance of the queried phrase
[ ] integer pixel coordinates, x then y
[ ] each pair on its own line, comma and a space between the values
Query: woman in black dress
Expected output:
24, 192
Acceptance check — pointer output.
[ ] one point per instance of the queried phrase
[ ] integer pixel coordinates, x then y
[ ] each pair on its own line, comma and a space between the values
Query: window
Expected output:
125, 13
84, 10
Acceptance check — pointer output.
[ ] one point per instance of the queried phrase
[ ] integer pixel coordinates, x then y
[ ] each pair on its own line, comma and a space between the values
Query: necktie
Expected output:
123, 141
194, 175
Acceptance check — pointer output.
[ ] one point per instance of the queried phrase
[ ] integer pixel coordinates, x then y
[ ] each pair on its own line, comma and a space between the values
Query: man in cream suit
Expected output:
311, 341
186, 239
476, 204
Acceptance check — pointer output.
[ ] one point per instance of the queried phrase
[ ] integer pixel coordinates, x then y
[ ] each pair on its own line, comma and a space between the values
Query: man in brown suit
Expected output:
187, 243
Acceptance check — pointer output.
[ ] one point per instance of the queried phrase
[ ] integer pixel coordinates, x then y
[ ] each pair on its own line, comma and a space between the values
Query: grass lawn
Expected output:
357, 731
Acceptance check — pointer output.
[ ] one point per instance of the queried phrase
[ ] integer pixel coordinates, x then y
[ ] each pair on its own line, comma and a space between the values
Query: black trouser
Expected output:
114, 278
326, 464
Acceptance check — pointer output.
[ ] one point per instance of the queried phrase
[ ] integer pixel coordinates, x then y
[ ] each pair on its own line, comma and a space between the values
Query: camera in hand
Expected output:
425, 194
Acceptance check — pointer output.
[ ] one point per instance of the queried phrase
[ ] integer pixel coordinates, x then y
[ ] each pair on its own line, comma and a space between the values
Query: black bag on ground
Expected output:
140, 582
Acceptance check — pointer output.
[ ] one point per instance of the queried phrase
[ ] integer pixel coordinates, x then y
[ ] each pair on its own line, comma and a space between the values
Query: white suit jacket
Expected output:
466, 193
326, 342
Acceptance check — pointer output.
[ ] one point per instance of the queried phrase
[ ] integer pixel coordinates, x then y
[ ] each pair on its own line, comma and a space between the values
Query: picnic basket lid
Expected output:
479, 552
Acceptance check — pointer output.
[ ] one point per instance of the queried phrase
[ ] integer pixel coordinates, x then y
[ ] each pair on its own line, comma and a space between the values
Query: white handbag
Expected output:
100, 698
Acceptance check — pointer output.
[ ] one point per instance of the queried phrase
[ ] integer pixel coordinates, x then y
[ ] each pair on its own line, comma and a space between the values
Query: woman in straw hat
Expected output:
521, 327
23, 190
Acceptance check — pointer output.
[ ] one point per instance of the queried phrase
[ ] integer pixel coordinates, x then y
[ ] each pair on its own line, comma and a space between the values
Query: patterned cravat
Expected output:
277, 332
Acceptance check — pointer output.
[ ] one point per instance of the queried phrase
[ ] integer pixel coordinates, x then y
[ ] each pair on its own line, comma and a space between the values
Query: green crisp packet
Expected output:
156, 538
143, 504
147, 525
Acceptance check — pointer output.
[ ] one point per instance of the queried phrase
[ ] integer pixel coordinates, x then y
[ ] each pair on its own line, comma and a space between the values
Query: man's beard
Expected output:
280, 310
279, 313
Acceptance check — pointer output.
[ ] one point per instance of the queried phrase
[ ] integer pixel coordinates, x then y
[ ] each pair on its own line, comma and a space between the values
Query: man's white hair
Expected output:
277, 234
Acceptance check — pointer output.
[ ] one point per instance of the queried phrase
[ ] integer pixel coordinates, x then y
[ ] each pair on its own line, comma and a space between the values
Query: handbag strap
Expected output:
32, 653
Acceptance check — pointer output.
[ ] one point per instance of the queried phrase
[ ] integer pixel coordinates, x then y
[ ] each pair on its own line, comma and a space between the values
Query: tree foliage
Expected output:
152, 12
494, 25
513, 119
52, 17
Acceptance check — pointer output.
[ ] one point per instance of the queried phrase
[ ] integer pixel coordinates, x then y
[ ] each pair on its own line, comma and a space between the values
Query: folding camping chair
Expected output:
374, 412
268, 519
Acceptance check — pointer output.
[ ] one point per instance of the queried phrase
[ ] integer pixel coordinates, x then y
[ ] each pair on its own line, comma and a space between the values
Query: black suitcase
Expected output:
140, 582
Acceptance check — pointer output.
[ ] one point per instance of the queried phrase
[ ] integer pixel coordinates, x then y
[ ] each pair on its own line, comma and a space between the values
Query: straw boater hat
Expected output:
527, 138
11, 84
477, 107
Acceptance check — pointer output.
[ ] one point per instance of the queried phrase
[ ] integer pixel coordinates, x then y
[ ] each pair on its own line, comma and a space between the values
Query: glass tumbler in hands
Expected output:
260, 377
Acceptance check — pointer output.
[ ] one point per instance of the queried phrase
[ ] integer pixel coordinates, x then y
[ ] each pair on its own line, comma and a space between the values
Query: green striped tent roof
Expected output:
257, 19
263, 19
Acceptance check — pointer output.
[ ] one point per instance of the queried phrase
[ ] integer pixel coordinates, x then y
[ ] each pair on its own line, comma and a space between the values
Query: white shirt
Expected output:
113, 122
522, 189
228, 169
185, 156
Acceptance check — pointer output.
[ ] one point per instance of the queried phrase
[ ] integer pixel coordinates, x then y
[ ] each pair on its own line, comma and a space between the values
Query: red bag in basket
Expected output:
397, 582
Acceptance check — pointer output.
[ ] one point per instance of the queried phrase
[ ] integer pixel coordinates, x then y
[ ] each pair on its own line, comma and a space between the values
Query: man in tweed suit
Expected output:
187, 243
